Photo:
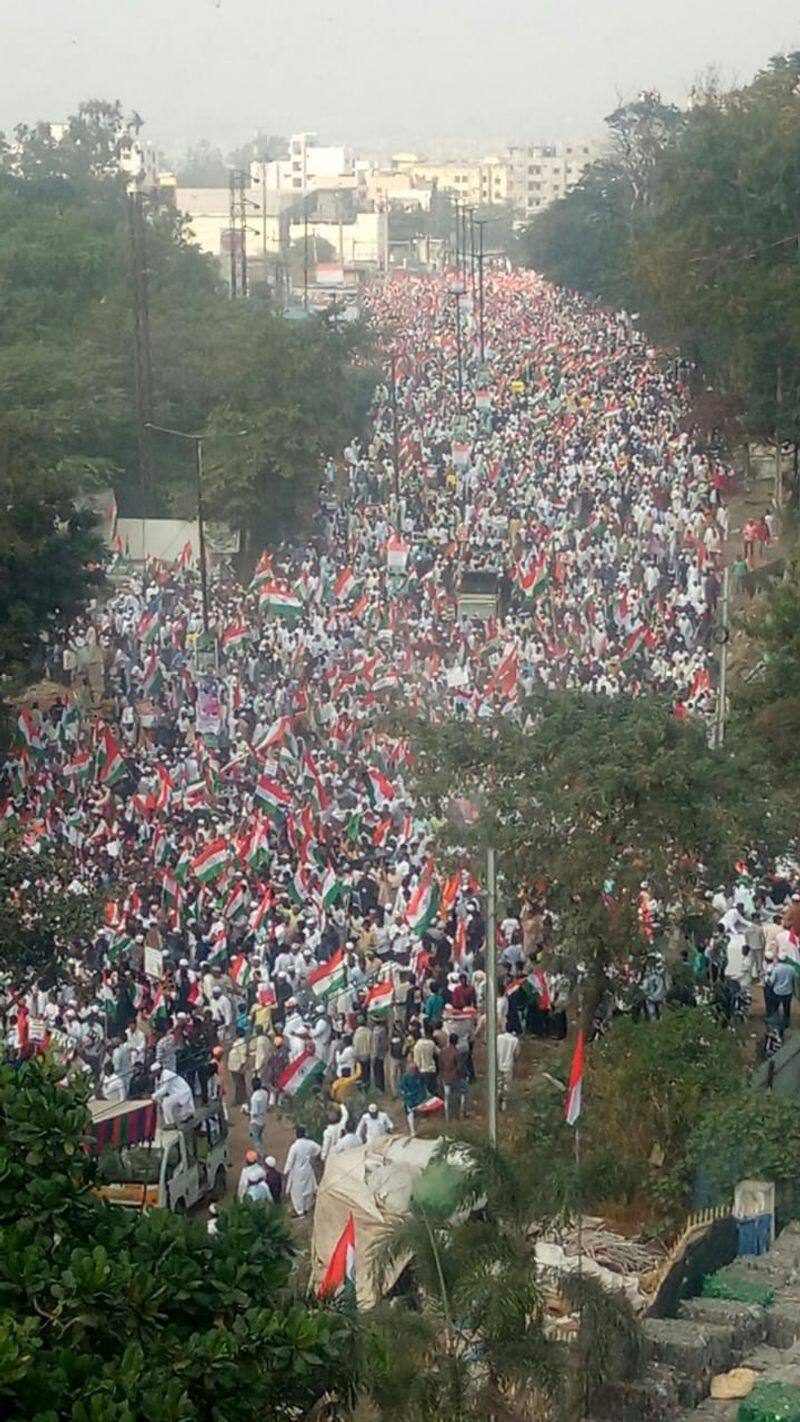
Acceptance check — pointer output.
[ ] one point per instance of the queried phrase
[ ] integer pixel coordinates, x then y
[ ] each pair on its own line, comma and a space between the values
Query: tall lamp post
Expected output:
465, 814
480, 223
197, 441
456, 292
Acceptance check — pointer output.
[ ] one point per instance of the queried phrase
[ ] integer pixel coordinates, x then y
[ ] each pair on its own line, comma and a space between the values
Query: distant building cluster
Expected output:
323, 216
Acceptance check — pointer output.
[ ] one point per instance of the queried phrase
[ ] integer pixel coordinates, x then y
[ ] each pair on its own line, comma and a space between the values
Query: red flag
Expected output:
572, 1105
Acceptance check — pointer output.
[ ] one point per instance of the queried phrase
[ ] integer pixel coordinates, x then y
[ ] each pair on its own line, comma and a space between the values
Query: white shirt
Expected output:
372, 1127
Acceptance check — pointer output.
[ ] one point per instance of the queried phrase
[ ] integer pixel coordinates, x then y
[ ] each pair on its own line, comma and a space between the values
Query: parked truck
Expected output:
143, 1164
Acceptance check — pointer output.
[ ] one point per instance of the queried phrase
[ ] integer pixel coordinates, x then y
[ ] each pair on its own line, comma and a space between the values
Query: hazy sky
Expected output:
385, 73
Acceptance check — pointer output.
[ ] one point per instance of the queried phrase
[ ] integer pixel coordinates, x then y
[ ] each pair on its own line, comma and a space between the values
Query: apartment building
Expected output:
542, 173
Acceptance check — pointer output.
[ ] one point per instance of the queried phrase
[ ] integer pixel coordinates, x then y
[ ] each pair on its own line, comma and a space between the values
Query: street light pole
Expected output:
481, 223
232, 230
395, 440
491, 995
305, 251
458, 354
201, 527
724, 640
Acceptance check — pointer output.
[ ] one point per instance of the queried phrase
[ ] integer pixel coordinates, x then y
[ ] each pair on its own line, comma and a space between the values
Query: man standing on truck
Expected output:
173, 1094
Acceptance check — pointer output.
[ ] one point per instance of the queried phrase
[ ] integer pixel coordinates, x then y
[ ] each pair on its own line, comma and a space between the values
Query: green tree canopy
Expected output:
599, 795
115, 1315
693, 218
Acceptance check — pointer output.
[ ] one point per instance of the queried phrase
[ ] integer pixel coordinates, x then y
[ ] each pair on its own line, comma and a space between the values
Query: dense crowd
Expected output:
273, 913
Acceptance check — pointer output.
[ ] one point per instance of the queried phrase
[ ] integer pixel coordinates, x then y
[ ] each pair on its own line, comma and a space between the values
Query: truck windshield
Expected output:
130, 1165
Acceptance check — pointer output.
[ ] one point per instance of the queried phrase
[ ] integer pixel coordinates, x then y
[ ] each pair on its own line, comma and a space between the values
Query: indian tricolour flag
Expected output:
79, 768
147, 628
153, 680
235, 635
344, 585
274, 799
379, 998
541, 578
240, 970
340, 1276
301, 1075
331, 888
424, 905
379, 789
211, 861
281, 600
110, 765
328, 977
572, 1104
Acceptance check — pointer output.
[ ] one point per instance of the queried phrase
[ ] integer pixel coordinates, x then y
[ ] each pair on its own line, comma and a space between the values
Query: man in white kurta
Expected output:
301, 1182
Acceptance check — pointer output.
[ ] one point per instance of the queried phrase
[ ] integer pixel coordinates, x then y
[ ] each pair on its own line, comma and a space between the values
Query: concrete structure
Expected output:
310, 166
479, 184
541, 174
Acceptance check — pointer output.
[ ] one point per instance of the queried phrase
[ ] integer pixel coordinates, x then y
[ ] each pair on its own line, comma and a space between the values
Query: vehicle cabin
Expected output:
143, 1164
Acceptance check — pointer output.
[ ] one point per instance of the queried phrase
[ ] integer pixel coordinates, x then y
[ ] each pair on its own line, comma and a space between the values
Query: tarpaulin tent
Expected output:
374, 1183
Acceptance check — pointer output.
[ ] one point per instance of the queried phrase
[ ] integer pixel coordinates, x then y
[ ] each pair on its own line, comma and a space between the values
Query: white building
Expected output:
310, 166
542, 173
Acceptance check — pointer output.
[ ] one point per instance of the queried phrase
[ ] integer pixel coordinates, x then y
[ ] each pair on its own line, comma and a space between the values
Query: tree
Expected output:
203, 166
40, 920
598, 796
587, 239
67, 376
753, 1133
116, 1315
289, 397
470, 1341
766, 706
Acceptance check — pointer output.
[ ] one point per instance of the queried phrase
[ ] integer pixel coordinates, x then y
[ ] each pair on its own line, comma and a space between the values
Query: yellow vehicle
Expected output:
143, 1164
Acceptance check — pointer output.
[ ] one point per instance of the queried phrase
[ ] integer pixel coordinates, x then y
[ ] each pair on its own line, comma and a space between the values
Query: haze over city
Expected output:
377, 74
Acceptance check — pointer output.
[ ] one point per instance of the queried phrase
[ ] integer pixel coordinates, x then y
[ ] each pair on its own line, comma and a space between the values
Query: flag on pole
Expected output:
572, 1105
380, 998
331, 888
240, 970
424, 905
110, 765
280, 600
235, 635
340, 1275
301, 1074
211, 862
328, 977
344, 584
274, 800
379, 789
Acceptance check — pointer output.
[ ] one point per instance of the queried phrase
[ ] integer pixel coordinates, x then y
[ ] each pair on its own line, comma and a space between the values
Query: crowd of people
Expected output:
273, 914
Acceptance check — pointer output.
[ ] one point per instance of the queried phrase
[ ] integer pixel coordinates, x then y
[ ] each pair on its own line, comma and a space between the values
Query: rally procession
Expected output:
283, 962
275, 920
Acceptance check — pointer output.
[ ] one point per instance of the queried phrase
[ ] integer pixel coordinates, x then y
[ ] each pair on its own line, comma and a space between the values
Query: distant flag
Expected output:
328, 977
340, 1276
344, 584
572, 1105
211, 862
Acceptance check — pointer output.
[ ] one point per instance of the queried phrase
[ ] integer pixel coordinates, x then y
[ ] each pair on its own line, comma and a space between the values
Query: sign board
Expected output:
206, 654
517, 387
153, 962
230, 240
483, 400
396, 555
209, 708
460, 455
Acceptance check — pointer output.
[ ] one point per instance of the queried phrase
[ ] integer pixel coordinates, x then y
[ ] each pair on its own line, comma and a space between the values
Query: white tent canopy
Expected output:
374, 1183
